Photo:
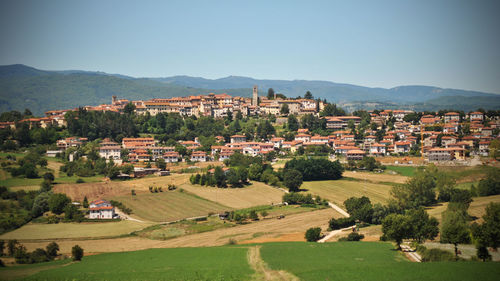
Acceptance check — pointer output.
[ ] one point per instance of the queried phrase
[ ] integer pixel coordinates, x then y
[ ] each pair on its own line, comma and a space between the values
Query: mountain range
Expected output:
40, 90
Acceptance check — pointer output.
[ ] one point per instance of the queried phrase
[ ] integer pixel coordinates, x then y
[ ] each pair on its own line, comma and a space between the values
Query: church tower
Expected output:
255, 96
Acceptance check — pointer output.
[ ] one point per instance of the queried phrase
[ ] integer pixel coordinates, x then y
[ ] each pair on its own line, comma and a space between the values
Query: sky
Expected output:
444, 43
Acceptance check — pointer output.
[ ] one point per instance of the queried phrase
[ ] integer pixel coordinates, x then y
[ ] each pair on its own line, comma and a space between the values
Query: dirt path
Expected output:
338, 209
262, 271
125, 216
333, 233
413, 256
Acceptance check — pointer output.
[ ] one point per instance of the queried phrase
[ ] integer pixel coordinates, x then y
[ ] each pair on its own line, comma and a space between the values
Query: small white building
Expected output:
101, 209
199, 156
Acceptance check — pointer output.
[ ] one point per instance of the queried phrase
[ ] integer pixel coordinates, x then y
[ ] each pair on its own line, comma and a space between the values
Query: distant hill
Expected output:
26, 87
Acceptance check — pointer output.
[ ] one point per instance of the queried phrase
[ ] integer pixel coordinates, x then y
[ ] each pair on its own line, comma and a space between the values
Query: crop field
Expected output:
295, 223
74, 230
337, 191
477, 207
376, 178
252, 195
365, 261
218, 263
168, 205
109, 189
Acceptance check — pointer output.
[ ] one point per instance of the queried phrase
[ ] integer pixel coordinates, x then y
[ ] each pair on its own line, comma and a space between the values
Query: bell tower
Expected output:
255, 96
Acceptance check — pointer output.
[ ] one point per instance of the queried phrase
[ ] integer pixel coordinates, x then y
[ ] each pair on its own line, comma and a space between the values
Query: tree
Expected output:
264, 213
454, 229
308, 95
495, 149
85, 202
255, 171
220, 178
293, 123
488, 233
270, 93
57, 202
359, 208
396, 227
129, 108
2, 246
160, 163
313, 234
417, 191
422, 226
11, 247
48, 177
292, 179
253, 215
45, 186
52, 249
316, 169
40, 204
284, 110
77, 253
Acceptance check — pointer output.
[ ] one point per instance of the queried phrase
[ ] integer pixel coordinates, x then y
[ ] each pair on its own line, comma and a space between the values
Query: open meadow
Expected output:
32, 231
219, 263
168, 206
337, 191
366, 261
375, 177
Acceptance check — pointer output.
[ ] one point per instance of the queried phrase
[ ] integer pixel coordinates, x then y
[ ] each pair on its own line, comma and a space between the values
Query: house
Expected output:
303, 137
199, 156
277, 142
238, 138
355, 154
439, 154
110, 150
402, 147
476, 116
171, 157
101, 209
451, 117
377, 149
484, 148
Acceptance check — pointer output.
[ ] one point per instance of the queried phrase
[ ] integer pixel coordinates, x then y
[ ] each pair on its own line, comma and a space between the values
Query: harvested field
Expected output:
109, 189
74, 230
252, 195
376, 178
266, 228
337, 191
168, 205
477, 207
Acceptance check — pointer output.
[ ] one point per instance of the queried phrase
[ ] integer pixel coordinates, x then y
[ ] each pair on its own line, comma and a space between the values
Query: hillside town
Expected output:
445, 136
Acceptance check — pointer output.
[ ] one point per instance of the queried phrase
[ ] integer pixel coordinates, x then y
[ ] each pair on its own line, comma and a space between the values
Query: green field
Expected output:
74, 230
407, 171
169, 205
217, 263
366, 261
337, 191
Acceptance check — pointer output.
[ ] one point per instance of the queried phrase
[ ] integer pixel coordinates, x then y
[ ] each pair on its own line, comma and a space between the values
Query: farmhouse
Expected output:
101, 209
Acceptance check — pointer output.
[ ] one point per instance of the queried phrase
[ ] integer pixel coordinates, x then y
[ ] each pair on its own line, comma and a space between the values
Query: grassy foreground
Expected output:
218, 263
366, 261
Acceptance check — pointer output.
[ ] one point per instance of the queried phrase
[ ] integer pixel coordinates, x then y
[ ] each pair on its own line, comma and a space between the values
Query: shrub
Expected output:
77, 253
430, 255
39, 255
79, 180
353, 236
313, 234
52, 249
341, 223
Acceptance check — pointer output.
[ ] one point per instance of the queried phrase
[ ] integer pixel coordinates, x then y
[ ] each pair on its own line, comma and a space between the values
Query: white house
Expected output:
101, 209
199, 156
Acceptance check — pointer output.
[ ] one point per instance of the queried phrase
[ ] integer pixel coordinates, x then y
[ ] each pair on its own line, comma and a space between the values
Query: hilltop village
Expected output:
300, 126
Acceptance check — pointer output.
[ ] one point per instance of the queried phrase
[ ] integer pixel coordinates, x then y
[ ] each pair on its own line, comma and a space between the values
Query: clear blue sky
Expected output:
453, 43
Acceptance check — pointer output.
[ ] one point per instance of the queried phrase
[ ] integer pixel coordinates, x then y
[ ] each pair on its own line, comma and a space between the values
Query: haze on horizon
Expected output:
444, 43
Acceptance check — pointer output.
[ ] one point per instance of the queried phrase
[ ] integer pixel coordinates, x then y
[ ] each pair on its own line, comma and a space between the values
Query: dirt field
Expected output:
388, 160
376, 178
337, 191
110, 189
73, 230
297, 223
253, 195
168, 205
477, 207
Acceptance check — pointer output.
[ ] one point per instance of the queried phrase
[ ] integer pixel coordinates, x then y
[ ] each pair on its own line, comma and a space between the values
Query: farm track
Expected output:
262, 271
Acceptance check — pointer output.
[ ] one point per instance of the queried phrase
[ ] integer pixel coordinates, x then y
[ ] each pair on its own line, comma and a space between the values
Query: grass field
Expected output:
74, 230
337, 191
168, 205
366, 261
252, 195
219, 263
374, 177
406, 171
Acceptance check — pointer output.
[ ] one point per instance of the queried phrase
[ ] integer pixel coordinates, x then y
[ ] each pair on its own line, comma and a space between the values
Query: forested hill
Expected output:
26, 87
